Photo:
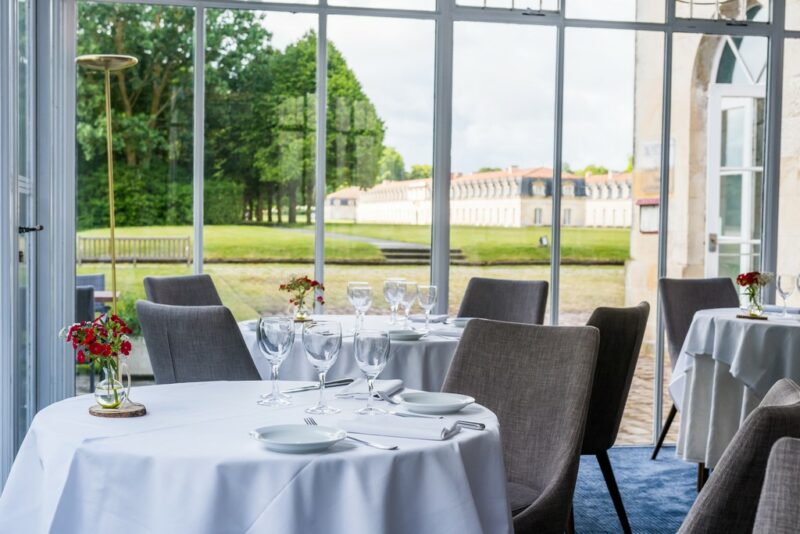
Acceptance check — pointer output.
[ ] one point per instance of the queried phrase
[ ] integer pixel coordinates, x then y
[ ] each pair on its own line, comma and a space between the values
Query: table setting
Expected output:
422, 345
727, 364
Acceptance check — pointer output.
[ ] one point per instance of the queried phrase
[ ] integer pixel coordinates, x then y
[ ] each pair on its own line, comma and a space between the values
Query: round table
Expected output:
190, 466
725, 368
419, 364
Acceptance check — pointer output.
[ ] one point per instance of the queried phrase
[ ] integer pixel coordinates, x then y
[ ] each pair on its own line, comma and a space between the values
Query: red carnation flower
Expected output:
81, 357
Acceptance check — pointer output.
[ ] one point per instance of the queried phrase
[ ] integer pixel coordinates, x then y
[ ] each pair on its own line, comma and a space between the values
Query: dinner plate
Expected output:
433, 403
461, 322
298, 438
405, 335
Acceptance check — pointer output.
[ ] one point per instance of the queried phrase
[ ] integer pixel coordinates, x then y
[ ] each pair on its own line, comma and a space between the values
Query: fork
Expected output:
474, 425
312, 422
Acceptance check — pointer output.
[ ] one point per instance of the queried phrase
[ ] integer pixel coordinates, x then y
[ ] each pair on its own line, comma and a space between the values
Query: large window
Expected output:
462, 83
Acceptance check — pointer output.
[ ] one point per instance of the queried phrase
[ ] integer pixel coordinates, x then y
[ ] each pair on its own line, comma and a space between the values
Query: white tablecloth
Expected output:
419, 364
726, 367
190, 466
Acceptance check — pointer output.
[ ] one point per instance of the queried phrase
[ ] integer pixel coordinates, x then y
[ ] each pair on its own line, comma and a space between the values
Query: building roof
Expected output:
511, 172
347, 192
611, 177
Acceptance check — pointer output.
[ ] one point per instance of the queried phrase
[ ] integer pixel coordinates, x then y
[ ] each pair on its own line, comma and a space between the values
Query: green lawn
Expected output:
484, 244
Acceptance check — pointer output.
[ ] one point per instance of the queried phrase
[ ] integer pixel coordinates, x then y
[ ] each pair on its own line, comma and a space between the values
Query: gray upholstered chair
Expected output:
514, 301
779, 506
191, 290
621, 333
538, 380
194, 343
729, 500
680, 300
98, 282
84, 303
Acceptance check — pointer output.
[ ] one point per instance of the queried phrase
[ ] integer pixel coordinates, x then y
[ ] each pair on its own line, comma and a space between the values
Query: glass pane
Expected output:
260, 151
788, 214
730, 210
611, 151
380, 153
152, 119
732, 136
424, 5
793, 14
624, 10
502, 154
723, 9
535, 5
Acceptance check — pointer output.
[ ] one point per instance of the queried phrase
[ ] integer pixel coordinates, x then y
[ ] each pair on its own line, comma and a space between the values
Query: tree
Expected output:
391, 165
420, 171
491, 169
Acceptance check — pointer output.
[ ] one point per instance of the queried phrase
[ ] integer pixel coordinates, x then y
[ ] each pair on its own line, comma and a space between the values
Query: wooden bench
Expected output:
136, 249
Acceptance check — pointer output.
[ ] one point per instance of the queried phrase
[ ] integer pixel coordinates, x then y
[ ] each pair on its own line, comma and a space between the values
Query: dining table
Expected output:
420, 364
726, 366
191, 465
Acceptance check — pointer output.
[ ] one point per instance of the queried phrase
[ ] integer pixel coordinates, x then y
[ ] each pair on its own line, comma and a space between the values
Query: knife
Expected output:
329, 384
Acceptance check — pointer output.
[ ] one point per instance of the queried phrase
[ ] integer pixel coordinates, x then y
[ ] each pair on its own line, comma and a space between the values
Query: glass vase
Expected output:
754, 306
301, 312
110, 393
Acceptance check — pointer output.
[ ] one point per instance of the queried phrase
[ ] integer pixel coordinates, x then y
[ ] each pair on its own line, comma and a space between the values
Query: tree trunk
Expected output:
291, 197
259, 205
278, 197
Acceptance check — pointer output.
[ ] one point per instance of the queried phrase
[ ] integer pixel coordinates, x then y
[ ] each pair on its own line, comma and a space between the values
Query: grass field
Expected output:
480, 244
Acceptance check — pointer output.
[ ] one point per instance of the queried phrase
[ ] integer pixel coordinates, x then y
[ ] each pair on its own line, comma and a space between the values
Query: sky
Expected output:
503, 87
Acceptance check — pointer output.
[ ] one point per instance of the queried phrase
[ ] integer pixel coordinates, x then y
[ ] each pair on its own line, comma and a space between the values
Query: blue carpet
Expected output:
657, 494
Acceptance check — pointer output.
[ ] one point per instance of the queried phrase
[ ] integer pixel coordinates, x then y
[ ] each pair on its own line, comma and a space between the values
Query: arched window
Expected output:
744, 59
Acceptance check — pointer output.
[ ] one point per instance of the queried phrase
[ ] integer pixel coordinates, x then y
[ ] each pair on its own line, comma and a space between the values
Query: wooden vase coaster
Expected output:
128, 410
751, 317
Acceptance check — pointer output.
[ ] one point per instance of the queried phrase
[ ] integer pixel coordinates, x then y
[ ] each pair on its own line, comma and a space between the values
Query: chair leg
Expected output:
571, 521
611, 482
702, 476
672, 412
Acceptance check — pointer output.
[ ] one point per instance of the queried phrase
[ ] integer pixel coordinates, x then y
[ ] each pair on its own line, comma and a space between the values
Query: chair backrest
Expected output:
191, 290
681, 299
779, 505
621, 333
515, 301
194, 343
729, 500
97, 281
84, 303
537, 380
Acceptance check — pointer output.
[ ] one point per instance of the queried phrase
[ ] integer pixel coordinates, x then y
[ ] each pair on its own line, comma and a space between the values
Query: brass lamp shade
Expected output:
112, 62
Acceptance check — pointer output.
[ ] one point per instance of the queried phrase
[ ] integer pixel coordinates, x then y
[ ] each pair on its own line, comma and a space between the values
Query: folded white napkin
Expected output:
434, 318
251, 325
399, 427
448, 331
359, 389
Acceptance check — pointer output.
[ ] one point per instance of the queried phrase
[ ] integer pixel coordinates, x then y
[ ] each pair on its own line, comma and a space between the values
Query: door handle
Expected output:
26, 229
712, 242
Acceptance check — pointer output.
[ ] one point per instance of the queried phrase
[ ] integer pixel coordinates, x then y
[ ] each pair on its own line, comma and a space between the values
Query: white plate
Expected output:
405, 335
298, 438
461, 322
433, 403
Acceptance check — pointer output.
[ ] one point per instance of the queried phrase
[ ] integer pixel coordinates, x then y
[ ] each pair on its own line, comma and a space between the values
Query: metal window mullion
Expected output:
321, 149
198, 151
772, 153
558, 134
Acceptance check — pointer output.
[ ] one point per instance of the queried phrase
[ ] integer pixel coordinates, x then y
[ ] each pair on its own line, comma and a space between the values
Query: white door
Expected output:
735, 177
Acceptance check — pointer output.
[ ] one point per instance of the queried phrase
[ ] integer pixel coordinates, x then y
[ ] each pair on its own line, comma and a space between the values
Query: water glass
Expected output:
322, 341
408, 295
426, 296
275, 339
372, 352
786, 284
391, 292
360, 296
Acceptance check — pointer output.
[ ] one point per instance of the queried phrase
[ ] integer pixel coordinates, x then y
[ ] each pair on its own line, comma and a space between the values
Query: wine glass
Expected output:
275, 339
408, 295
786, 284
391, 292
372, 353
360, 296
322, 341
427, 295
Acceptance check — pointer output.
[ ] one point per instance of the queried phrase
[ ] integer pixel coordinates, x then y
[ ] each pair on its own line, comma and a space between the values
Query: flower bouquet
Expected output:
101, 343
299, 288
752, 283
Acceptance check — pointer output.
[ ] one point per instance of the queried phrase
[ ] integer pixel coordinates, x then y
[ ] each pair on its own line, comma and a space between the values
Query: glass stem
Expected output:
371, 386
322, 389
275, 381
393, 318
427, 320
